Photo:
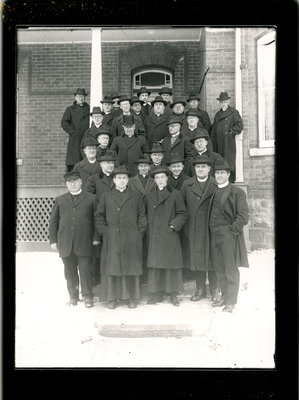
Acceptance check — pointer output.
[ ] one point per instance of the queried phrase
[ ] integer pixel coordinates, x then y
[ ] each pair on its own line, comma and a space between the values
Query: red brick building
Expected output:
52, 62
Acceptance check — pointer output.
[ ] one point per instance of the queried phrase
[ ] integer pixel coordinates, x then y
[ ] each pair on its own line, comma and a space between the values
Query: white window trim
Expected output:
262, 142
162, 71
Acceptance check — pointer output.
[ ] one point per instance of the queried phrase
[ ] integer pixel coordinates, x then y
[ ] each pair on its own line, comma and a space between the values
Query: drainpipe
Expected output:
238, 91
96, 87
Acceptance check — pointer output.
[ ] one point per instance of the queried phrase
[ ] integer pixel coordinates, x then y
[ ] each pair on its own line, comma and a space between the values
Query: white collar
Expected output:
121, 190
143, 175
223, 185
202, 180
75, 193
176, 177
92, 162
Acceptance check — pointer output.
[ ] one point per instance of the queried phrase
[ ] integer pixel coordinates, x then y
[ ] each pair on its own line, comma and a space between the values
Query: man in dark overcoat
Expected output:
197, 193
203, 116
156, 123
129, 146
97, 116
143, 94
116, 109
157, 155
227, 217
227, 124
178, 109
200, 142
108, 115
121, 219
176, 167
73, 233
103, 138
166, 92
166, 214
74, 122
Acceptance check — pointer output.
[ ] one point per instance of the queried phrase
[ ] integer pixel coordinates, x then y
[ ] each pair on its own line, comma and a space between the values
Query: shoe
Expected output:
174, 300
111, 304
216, 295
219, 303
132, 304
157, 298
73, 302
198, 296
88, 302
228, 308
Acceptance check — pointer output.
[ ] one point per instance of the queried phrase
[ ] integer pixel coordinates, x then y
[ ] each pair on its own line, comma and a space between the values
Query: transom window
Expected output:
153, 79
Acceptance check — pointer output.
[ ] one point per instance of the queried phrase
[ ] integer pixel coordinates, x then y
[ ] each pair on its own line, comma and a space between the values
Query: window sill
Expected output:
266, 151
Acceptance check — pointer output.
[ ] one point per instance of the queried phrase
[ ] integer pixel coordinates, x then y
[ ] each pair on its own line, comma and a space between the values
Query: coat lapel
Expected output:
164, 195
225, 196
138, 184
226, 113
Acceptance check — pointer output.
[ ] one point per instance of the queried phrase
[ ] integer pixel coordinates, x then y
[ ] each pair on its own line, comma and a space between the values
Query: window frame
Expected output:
146, 70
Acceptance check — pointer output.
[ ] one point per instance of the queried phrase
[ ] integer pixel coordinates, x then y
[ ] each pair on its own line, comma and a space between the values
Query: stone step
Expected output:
143, 331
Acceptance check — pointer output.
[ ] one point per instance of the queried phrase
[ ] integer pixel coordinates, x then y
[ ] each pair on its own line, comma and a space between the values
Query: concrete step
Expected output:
143, 331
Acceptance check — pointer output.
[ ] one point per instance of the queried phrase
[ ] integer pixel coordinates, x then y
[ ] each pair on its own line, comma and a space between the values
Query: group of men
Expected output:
150, 200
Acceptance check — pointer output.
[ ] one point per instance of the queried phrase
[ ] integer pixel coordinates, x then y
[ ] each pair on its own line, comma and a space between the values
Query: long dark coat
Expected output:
118, 130
164, 243
86, 169
190, 134
235, 208
196, 229
212, 156
227, 124
75, 121
182, 146
128, 152
122, 226
136, 184
98, 184
177, 183
108, 118
73, 226
156, 130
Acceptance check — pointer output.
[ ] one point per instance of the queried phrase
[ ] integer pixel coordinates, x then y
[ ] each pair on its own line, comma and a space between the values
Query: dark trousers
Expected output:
71, 264
223, 249
200, 278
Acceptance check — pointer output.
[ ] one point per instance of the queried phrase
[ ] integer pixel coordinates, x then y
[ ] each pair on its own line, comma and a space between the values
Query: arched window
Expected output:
154, 79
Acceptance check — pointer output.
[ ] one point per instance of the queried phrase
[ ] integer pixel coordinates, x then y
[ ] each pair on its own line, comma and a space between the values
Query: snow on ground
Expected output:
48, 333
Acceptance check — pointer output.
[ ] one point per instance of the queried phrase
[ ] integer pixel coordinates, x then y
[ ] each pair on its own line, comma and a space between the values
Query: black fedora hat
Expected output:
221, 164
158, 99
174, 119
124, 97
143, 89
159, 170
143, 159
96, 110
121, 169
114, 95
81, 92
88, 142
193, 112
199, 134
72, 175
178, 100
175, 158
193, 96
201, 159
223, 96
108, 156
107, 99
135, 99
157, 148
103, 130
128, 120
165, 90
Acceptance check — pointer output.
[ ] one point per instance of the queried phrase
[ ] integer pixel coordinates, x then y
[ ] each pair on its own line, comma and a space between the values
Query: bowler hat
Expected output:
199, 134
143, 89
157, 148
108, 156
96, 110
193, 96
88, 142
178, 100
72, 175
201, 159
143, 159
107, 99
124, 97
128, 120
221, 164
223, 96
121, 169
103, 130
175, 158
193, 112
81, 92
135, 99
174, 119
159, 99
159, 170
114, 95
166, 90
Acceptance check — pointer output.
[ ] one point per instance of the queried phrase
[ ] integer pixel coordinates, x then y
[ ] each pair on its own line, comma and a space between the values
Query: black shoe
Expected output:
216, 295
157, 298
73, 302
111, 304
219, 303
132, 304
88, 301
228, 308
174, 300
198, 296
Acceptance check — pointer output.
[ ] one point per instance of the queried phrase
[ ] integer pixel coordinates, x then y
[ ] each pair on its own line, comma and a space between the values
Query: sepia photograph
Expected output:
145, 210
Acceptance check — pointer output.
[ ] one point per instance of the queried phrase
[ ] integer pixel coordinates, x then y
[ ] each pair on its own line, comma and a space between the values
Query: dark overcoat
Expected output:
164, 249
235, 208
227, 124
122, 226
176, 183
75, 121
129, 151
196, 229
212, 156
108, 118
191, 133
156, 129
136, 184
182, 146
118, 130
73, 226
99, 184
86, 169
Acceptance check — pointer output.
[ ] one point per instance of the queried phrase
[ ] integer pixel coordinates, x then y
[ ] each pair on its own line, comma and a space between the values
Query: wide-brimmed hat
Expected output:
199, 134
165, 90
158, 99
193, 112
81, 92
174, 119
88, 142
223, 96
72, 175
157, 148
128, 120
143, 89
103, 130
221, 164
143, 159
124, 97
96, 110
135, 99
121, 169
108, 156
201, 159
178, 100
193, 96
114, 95
107, 99
175, 158
159, 170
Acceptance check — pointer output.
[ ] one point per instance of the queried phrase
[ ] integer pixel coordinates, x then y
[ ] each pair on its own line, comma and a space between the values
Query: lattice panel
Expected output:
33, 216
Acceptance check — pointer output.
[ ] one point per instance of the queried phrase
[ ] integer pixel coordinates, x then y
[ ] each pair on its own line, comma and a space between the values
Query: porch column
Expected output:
238, 91
96, 87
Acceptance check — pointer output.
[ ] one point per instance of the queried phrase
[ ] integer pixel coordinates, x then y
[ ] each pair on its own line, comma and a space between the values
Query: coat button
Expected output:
117, 230
118, 208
